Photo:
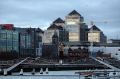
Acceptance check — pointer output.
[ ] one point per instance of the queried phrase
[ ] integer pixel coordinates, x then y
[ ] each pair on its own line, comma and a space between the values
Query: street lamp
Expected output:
91, 47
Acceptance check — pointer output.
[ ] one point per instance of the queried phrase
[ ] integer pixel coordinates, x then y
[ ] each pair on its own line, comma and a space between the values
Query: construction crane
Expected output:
92, 22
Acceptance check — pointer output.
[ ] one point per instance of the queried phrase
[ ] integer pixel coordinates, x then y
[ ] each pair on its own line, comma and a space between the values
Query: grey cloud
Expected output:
43, 12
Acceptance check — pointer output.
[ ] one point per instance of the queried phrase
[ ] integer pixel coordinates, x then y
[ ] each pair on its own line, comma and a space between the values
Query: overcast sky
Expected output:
41, 13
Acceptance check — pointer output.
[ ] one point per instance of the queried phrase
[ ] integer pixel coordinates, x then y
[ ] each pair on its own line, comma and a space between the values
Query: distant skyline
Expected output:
41, 13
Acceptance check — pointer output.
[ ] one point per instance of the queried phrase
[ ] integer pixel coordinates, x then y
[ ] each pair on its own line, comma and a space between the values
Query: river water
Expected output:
40, 77
51, 75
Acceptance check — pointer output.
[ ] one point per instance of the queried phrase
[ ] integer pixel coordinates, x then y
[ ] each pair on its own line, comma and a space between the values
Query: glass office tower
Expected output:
9, 43
74, 24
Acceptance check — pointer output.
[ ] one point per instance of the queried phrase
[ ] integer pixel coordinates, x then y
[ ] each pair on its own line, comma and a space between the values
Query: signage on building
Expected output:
7, 26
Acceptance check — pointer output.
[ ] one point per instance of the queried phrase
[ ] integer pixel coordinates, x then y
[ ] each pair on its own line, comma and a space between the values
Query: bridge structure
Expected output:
5, 71
64, 65
105, 63
105, 72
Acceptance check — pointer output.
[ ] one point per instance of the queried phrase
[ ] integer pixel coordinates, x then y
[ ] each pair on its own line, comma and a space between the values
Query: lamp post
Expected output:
91, 46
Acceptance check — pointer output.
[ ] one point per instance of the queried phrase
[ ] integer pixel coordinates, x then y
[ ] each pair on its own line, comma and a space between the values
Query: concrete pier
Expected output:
41, 71
21, 72
46, 71
5, 72
33, 71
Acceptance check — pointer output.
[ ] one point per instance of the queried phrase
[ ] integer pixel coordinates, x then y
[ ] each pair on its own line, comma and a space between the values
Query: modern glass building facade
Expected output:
74, 24
18, 42
74, 34
96, 35
29, 41
9, 44
27, 45
9, 41
25, 41
61, 32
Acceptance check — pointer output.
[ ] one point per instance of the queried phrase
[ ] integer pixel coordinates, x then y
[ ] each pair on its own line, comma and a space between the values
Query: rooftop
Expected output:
74, 12
53, 26
95, 28
39, 30
58, 20
7, 26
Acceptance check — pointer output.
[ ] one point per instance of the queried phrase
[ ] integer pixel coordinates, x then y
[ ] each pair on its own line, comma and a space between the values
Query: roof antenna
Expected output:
91, 23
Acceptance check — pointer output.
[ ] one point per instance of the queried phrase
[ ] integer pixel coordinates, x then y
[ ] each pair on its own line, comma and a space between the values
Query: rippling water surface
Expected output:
50, 75
39, 77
